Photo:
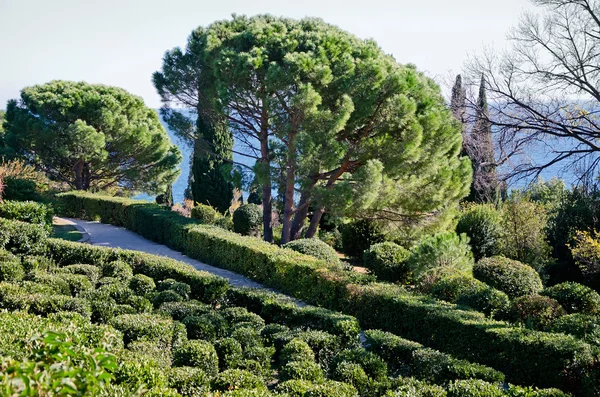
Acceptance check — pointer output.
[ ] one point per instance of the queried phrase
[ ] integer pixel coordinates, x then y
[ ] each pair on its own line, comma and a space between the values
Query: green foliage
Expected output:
230, 353
372, 364
509, 276
22, 238
388, 262
92, 130
188, 381
413, 387
170, 284
58, 366
11, 269
26, 211
359, 235
482, 223
197, 353
296, 350
232, 379
583, 326
19, 189
143, 326
524, 223
205, 214
247, 220
142, 285
117, 269
302, 370
574, 297
314, 247
586, 255
473, 387
535, 311
441, 251
92, 273
302, 388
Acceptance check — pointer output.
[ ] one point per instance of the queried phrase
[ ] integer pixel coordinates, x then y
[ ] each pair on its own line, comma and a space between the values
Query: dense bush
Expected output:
359, 235
26, 211
197, 353
441, 251
247, 220
314, 247
509, 276
296, 350
574, 297
302, 370
143, 326
189, 381
20, 189
22, 237
473, 387
535, 311
482, 224
117, 269
583, 326
585, 250
10, 267
233, 379
388, 262
230, 353
205, 214
142, 285
92, 273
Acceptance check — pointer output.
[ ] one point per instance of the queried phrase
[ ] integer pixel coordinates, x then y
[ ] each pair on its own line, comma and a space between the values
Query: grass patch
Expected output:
66, 232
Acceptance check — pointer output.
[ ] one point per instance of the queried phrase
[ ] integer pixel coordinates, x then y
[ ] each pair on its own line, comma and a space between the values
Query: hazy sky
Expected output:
121, 42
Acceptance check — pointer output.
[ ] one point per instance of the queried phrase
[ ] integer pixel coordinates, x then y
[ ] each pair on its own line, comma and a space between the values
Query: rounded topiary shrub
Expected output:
451, 287
169, 284
583, 326
487, 300
166, 296
509, 276
314, 247
205, 214
574, 297
388, 262
11, 269
473, 387
189, 381
482, 223
230, 353
535, 311
353, 374
359, 235
302, 370
199, 354
247, 220
440, 252
93, 273
117, 269
233, 379
142, 285
296, 350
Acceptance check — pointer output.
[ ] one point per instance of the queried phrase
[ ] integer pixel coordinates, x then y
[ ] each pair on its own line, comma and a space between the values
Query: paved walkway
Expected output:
118, 237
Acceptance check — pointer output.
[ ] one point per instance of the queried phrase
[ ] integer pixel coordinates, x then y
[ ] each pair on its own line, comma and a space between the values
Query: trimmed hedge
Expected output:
388, 262
509, 276
525, 356
313, 247
574, 297
26, 211
22, 237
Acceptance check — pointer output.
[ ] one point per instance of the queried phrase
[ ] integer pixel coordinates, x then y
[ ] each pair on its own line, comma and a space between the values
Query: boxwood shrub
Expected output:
314, 247
232, 379
247, 220
205, 214
26, 211
535, 311
509, 276
388, 262
11, 269
22, 237
197, 353
574, 297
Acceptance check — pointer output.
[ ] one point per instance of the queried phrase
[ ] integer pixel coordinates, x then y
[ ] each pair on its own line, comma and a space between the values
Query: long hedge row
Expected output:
527, 357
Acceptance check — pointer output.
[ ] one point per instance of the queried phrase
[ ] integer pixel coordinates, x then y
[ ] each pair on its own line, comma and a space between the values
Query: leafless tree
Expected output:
544, 91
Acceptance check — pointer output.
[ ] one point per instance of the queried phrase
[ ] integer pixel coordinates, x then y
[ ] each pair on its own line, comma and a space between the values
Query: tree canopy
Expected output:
331, 121
91, 137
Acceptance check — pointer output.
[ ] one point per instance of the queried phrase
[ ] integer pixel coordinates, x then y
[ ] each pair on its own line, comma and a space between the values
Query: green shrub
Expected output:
359, 235
22, 237
574, 297
373, 365
11, 269
330, 388
188, 381
232, 379
208, 326
237, 315
92, 273
229, 352
451, 287
518, 391
535, 311
138, 372
441, 251
169, 284
388, 262
152, 351
482, 224
302, 370
487, 300
584, 326
296, 350
197, 353
36, 262
247, 220
117, 269
225, 222
473, 388
142, 285
181, 310
415, 388
314, 247
509, 276
143, 326
56, 281
205, 214
353, 374
166, 296
20, 189
324, 345
26, 211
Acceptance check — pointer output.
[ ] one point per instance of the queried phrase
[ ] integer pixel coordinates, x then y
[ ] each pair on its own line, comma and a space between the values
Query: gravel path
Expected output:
118, 237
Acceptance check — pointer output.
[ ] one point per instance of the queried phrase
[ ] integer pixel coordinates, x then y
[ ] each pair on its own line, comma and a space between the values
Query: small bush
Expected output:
117, 269
473, 388
583, 326
205, 214
197, 353
404, 387
535, 311
26, 211
92, 273
233, 379
574, 297
352, 374
22, 238
247, 220
169, 284
359, 235
208, 326
314, 247
509, 276
189, 381
11, 269
441, 251
238, 315
373, 365
230, 353
296, 350
143, 326
388, 262
482, 224
487, 300
302, 370
181, 310
166, 296
142, 285
36, 262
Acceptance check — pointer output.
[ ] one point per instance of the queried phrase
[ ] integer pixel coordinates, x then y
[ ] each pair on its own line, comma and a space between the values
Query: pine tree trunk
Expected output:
265, 161
314, 222
78, 170
302, 211
290, 179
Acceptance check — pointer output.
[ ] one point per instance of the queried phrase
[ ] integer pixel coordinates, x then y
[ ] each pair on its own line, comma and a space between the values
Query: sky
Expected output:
121, 42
